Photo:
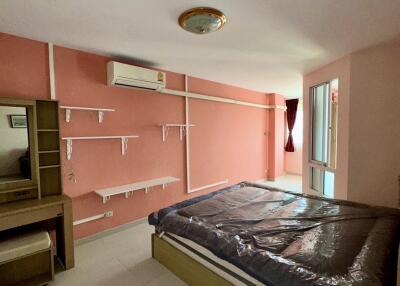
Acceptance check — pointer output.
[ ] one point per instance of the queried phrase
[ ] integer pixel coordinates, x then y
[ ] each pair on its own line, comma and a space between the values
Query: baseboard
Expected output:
294, 174
110, 231
265, 179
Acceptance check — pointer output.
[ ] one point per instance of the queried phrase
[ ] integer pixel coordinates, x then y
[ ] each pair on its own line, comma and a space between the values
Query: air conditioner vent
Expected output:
124, 75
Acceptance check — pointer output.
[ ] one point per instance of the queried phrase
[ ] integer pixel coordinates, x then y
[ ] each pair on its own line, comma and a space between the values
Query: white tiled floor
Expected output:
286, 182
120, 259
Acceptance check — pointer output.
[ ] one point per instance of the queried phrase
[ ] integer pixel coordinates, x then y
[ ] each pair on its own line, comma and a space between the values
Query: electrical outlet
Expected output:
109, 214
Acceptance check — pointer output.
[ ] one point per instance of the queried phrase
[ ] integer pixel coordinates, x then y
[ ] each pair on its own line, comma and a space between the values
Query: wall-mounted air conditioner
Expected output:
124, 75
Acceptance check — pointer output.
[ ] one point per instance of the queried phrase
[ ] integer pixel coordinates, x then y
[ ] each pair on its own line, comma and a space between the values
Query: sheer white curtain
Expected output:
298, 128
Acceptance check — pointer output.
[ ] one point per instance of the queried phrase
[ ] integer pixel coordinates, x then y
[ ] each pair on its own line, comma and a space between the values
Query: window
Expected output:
323, 133
297, 131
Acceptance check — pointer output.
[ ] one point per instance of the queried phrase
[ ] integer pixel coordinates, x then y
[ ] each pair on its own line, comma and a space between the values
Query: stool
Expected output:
26, 259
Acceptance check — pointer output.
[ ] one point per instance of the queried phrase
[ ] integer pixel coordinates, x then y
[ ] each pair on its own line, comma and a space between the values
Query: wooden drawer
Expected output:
30, 270
30, 216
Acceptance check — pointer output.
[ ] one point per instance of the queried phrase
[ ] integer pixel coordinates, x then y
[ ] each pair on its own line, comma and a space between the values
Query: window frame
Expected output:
324, 123
329, 147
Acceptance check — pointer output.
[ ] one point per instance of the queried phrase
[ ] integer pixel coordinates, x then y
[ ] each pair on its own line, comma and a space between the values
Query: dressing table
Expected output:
31, 195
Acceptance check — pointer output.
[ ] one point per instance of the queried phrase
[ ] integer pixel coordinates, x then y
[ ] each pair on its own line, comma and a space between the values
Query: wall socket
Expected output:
109, 214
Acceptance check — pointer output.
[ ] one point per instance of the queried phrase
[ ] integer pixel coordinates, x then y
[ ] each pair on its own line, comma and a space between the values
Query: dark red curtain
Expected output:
291, 111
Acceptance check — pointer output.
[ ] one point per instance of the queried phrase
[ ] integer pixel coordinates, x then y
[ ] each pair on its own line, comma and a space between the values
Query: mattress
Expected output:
282, 238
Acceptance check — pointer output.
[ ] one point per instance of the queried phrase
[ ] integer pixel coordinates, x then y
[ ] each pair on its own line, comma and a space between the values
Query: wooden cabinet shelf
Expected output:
19, 189
49, 152
48, 135
49, 166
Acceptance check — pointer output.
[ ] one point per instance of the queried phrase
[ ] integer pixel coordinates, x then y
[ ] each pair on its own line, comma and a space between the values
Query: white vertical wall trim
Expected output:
187, 122
51, 70
187, 137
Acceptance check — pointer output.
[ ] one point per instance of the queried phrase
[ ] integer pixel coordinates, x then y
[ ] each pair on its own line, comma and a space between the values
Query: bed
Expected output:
248, 234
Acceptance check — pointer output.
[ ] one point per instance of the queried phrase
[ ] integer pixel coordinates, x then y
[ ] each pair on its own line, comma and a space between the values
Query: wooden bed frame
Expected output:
182, 265
191, 271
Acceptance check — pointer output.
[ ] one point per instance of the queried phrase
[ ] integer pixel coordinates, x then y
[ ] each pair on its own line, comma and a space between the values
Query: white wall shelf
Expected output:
123, 138
129, 189
100, 111
182, 129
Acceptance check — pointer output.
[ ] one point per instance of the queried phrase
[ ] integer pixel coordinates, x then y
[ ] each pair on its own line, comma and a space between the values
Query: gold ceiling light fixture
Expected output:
202, 20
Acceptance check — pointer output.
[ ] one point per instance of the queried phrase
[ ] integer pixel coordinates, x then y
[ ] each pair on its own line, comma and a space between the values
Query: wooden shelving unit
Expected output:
48, 135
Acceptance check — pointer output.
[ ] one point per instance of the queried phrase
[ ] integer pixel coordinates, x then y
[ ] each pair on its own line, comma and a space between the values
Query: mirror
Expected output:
15, 159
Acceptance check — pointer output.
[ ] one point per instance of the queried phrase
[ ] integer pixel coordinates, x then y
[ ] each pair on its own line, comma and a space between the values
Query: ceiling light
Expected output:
202, 20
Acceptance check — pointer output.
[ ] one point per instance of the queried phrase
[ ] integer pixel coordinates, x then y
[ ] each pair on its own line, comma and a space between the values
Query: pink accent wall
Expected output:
276, 140
229, 141
24, 68
293, 160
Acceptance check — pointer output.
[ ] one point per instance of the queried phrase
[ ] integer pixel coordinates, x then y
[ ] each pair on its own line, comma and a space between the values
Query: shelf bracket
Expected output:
165, 130
124, 145
67, 115
101, 116
105, 199
128, 194
69, 149
164, 186
181, 130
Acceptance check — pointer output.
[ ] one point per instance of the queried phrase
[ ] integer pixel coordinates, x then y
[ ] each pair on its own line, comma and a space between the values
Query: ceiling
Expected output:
265, 46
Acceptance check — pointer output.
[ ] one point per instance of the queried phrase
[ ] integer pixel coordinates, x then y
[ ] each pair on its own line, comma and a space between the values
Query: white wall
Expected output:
374, 146
368, 164
13, 141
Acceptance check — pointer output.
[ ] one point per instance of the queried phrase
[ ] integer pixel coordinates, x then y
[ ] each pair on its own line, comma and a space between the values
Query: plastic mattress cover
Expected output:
282, 238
